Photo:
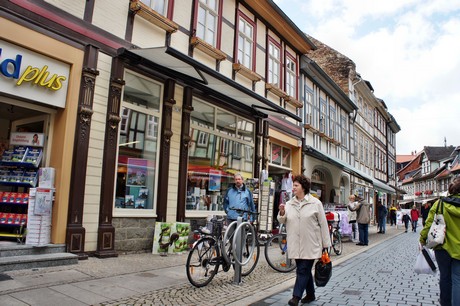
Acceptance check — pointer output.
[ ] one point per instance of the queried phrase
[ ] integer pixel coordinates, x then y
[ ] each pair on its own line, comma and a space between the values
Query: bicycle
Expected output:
214, 249
333, 224
251, 245
276, 252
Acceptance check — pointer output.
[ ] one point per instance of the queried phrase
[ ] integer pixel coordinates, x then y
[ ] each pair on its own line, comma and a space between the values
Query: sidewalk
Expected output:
148, 279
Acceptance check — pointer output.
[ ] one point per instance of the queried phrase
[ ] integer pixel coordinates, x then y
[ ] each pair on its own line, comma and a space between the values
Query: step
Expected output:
21, 249
21, 262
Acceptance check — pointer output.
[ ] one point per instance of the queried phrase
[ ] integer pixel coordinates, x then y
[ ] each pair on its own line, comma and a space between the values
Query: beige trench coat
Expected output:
306, 227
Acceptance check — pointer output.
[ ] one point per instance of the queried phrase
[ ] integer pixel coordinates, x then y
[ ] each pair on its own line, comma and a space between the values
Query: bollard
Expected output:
238, 253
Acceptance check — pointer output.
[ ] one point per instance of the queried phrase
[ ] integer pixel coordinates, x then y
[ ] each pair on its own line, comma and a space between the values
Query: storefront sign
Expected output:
25, 73
27, 139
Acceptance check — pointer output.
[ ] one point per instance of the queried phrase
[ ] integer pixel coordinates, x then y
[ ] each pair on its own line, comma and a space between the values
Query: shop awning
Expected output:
337, 162
177, 64
378, 185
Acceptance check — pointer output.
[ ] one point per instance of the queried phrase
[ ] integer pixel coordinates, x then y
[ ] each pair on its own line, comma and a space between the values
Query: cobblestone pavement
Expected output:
146, 279
263, 282
382, 275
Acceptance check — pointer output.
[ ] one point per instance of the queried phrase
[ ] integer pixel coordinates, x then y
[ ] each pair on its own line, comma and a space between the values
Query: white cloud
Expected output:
408, 50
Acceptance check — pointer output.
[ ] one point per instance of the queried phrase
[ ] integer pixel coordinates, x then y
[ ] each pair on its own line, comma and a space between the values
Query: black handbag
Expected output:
323, 270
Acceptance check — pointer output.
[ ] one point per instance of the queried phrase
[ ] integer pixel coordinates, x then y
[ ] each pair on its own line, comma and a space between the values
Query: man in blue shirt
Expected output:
238, 197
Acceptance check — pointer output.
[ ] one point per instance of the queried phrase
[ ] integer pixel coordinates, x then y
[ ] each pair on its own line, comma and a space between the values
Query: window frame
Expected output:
270, 58
292, 73
242, 17
218, 26
168, 7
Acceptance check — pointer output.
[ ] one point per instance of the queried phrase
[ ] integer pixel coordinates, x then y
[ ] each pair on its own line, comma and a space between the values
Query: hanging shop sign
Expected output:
28, 74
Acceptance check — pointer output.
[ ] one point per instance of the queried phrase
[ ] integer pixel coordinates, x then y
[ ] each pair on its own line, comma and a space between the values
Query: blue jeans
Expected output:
383, 224
449, 278
414, 225
363, 233
304, 278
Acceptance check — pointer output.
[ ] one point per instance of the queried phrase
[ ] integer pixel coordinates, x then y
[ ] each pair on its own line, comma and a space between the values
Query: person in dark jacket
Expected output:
382, 213
406, 220
425, 210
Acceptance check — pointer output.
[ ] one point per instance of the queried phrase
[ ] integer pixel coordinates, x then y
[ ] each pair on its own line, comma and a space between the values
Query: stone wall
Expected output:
133, 235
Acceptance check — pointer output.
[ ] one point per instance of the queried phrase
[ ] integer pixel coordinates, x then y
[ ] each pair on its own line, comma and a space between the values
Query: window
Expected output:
332, 122
207, 24
274, 64
229, 149
138, 145
245, 42
345, 132
308, 106
323, 117
161, 6
280, 155
291, 77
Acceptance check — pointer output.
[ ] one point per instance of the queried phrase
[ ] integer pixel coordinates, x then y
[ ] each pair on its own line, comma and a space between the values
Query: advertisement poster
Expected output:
43, 202
214, 180
137, 172
170, 238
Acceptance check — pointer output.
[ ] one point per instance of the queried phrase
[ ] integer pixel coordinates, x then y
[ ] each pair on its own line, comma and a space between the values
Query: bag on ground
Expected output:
425, 262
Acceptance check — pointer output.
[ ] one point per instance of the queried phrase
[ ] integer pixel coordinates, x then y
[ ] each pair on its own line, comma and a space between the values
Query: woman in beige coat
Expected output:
307, 235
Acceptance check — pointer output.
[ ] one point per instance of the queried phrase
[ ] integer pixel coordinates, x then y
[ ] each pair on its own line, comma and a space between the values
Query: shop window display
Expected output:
138, 144
222, 144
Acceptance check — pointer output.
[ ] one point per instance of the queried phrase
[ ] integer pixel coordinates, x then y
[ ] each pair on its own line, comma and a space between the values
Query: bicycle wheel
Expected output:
276, 254
337, 242
202, 262
252, 262
227, 242
246, 231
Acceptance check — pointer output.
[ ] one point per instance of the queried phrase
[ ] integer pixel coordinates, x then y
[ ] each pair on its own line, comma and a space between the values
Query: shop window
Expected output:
229, 149
138, 145
280, 155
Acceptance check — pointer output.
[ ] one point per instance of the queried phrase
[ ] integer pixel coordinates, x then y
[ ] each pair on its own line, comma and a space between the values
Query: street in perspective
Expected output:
379, 274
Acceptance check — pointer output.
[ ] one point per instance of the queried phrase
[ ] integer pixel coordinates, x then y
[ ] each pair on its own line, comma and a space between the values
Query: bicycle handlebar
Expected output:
242, 211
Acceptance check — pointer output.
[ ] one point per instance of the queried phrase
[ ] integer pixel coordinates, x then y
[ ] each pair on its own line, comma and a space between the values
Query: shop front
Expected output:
39, 77
222, 144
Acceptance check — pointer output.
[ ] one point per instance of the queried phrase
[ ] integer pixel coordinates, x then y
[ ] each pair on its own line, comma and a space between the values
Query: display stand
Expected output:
266, 205
39, 216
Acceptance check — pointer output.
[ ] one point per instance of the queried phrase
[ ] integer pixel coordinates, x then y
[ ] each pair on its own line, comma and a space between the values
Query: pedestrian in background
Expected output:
393, 215
363, 218
308, 234
352, 217
448, 254
414, 215
424, 211
382, 213
406, 220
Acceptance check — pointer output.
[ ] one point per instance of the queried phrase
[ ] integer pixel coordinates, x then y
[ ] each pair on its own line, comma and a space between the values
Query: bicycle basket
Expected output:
217, 226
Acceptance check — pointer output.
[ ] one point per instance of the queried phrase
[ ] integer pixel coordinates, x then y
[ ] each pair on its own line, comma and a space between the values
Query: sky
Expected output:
409, 50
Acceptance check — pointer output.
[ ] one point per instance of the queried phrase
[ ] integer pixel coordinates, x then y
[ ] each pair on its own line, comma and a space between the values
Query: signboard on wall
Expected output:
28, 74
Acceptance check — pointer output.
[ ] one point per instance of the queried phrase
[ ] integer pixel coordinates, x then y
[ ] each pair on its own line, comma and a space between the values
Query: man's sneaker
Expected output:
308, 298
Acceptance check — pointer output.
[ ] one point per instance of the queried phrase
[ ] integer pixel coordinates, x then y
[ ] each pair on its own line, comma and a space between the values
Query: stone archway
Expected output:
321, 183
